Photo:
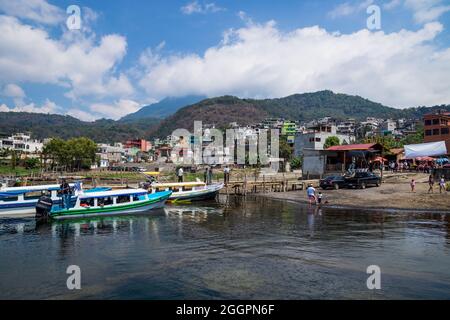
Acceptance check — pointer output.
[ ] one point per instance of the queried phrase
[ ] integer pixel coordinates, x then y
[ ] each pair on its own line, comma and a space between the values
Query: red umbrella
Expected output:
380, 159
425, 159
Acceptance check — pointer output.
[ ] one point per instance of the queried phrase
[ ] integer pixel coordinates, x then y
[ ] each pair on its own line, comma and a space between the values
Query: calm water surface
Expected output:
257, 249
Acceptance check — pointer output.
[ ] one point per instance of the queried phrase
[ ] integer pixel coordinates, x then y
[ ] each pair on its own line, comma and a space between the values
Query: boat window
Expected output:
9, 198
136, 197
105, 201
35, 195
123, 199
86, 203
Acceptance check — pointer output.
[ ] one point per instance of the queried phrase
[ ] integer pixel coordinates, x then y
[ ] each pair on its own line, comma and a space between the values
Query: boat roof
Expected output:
178, 184
32, 188
113, 193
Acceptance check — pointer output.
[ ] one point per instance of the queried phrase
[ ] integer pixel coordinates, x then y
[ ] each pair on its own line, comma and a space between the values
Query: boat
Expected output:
23, 200
104, 203
188, 191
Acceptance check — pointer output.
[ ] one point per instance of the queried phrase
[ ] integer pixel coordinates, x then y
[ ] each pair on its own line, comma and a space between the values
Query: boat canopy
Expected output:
113, 193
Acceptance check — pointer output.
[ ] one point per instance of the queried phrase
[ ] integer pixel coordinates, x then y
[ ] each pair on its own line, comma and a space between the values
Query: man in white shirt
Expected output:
180, 175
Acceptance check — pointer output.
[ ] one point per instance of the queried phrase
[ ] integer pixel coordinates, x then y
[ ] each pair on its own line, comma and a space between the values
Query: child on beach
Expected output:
442, 184
319, 198
413, 185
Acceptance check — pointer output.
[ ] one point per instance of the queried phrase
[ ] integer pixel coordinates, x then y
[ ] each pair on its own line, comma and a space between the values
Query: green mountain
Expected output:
163, 108
219, 111
52, 125
302, 107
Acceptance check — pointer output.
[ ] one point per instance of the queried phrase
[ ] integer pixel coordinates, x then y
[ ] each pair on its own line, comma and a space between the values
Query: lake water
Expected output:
253, 249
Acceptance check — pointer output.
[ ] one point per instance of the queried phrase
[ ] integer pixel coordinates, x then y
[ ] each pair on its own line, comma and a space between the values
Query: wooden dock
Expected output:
250, 187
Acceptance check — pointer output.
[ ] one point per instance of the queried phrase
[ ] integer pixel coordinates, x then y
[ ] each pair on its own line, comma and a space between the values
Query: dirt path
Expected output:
394, 193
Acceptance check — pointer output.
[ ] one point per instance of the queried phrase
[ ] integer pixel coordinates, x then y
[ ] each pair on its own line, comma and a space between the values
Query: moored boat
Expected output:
188, 191
22, 200
104, 203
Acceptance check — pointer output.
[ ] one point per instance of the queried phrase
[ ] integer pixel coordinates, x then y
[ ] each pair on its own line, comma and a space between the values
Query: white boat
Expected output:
188, 191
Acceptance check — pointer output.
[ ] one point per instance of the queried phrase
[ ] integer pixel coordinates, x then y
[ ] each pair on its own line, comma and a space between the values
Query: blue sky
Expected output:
132, 53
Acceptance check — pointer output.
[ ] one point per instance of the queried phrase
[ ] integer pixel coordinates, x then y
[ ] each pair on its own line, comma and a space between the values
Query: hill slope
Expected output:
302, 107
51, 125
164, 108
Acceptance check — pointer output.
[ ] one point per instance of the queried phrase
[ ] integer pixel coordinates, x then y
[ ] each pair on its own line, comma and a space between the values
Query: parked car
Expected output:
363, 180
332, 182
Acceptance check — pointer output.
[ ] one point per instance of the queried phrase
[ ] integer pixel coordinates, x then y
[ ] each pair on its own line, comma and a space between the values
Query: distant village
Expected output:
306, 140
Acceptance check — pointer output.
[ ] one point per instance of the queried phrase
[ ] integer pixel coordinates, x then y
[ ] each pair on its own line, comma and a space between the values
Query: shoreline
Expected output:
393, 195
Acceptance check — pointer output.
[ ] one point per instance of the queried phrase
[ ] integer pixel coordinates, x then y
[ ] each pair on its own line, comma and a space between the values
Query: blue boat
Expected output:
22, 200
104, 203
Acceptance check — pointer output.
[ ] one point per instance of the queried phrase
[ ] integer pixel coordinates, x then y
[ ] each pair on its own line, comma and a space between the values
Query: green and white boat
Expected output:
104, 203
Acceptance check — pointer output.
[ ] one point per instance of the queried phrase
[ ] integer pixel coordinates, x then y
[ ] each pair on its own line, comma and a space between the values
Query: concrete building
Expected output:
22, 142
437, 127
314, 138
110, 154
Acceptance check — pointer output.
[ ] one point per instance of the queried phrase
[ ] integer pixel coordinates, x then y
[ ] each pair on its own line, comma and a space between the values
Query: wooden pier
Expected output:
250, 187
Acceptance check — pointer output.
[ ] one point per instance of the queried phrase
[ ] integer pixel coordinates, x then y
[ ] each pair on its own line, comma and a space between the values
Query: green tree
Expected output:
331, 141
296, 163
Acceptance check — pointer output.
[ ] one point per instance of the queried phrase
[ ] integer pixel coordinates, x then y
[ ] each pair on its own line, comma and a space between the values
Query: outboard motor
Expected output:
43, 207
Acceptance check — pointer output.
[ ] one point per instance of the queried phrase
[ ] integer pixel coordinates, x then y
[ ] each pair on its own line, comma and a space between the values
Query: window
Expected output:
428, 122
105, 201
9, 198
435, 132
444, 131
86, 203
428, 132
435, 121
123, 199
318, 139
35, 195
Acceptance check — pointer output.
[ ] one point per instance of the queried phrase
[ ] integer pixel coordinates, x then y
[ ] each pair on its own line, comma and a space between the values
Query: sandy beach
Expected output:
394, 193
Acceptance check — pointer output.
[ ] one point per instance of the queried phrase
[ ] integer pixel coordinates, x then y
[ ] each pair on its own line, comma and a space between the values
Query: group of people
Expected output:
431, 182
314, 196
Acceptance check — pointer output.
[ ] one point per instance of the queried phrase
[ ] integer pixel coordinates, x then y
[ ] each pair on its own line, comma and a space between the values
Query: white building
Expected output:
22, 143
314, 139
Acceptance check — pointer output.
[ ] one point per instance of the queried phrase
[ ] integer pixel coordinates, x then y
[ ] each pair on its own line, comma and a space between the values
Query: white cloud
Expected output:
115, 110
81, 115
392, 4
427, 10
15, 92
399, 69
47, 107
35, 10
196, 7
349, 8
29, 54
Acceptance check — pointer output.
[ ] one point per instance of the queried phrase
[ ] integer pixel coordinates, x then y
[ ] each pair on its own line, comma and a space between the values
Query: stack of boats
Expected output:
45, 201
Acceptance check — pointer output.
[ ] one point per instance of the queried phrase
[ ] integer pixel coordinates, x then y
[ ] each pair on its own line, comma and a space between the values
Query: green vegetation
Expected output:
296, 163
331, 141
73, 154
65, 127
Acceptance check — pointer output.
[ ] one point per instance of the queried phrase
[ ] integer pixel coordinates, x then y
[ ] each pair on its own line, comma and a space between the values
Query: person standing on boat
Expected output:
210, 173
226, 175
180, 174
65, 192
206, 174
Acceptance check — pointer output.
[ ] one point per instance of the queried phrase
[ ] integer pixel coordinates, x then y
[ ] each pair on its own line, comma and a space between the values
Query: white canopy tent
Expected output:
425, 150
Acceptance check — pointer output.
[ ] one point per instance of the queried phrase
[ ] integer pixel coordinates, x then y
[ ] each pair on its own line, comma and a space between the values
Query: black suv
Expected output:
363, 180
332, 182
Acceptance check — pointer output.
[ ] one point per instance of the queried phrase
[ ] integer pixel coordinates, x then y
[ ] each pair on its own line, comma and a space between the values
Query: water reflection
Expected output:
236, 249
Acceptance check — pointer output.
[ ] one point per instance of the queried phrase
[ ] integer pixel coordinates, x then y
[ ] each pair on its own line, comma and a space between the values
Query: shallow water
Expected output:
257, 249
